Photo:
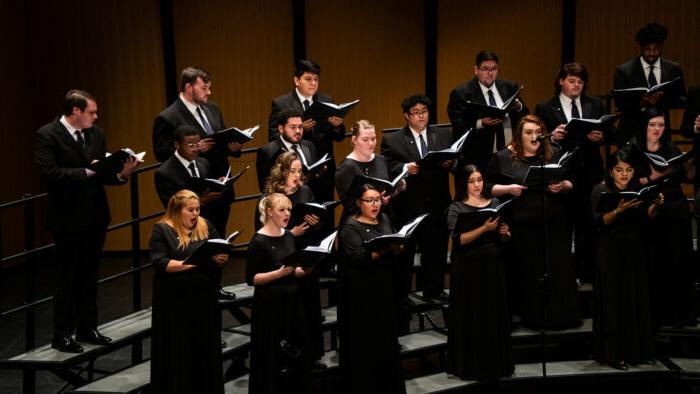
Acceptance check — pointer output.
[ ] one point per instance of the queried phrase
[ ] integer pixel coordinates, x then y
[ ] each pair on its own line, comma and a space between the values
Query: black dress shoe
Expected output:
649, 362
223, 344
226, 295
94, 337
621, 365
439, 296
66, 345
319, 366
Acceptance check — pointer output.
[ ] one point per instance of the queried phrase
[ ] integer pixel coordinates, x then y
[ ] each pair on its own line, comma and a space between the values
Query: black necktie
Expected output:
492, 100
296, 149
423, 145
306, 105
207, 126
193, 170
652, 78
574, 110
81, 140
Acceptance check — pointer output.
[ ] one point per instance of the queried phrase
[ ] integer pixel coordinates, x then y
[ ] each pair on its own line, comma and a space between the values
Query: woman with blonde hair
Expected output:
279, 359
186, 316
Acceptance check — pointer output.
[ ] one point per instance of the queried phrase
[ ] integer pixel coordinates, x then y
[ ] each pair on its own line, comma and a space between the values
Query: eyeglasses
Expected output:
373, 201
419, 114
488, 69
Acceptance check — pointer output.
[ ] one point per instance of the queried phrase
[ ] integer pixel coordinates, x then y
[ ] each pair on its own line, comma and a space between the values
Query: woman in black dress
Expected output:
361, 161
621, 320
369, 349
186, 331
478, 344
505, 177
286, 177
669, 236
279, 362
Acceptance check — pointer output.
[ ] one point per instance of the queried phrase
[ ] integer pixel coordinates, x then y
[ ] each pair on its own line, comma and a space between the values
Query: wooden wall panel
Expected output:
114, 52
605, 36
368, 50
525, 35
247, 47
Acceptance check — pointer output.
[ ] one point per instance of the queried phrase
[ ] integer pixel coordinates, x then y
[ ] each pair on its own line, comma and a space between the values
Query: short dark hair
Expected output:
575, 69
414, 99
76, 98
652, 33
484, 56
284, 115
190, 75
185, 131
306, 66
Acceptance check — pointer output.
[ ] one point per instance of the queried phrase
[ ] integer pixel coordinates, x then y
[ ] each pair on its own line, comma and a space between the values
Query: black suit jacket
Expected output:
267, 155
589, 163
427, 191
687, 128
76, 203
631, 75
172, 176
479, 145
322, 135
176, 115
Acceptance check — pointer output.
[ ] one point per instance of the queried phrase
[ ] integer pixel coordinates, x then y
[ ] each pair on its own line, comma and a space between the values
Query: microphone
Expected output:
542, 137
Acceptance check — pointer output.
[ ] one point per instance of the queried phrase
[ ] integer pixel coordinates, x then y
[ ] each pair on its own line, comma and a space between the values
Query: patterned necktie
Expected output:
652, 78
193, 170
423, 146
205, 123
492, 100
574, 110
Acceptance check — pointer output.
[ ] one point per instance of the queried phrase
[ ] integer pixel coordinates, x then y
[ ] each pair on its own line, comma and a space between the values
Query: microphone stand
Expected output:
544, 279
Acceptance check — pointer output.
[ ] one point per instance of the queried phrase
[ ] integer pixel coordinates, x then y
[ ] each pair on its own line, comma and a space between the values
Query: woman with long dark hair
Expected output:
478, 343
621, 315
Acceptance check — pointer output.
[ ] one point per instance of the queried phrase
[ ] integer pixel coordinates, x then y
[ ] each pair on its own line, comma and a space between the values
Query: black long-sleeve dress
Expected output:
670, 245
478, 344
621, 314
186, 330
369, 349
277, 315
528, 247
349, 168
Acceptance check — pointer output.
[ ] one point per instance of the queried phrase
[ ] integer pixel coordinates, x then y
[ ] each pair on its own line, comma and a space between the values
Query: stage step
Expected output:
586, 327
244, 293
123, 331
330, 314
138, 377
237, 386
443, 382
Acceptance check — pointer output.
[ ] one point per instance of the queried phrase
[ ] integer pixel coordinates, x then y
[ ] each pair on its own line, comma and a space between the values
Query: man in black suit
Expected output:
427, 191
193, 108
490, 134
77, 215
648, 70
289, 139
321, 133
570, 101
173, 175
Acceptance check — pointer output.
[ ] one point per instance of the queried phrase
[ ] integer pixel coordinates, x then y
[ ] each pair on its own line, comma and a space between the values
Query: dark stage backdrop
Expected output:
374, 51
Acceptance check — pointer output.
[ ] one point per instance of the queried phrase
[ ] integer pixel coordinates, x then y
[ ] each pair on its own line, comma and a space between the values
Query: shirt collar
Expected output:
645, 65
190, 106
182, 160
417, 133
485, 89
566, 100
302, 98
64, 122
288, 145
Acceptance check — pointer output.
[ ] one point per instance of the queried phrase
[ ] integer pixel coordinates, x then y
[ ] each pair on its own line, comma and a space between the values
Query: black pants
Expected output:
431, 241
75, 301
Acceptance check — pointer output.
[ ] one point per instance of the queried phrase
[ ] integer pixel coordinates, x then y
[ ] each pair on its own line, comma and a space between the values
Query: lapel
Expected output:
189, 118
637, 76
478, 95
296, 102
410, 144
68, 139
211, 117
558, 111
503, 90
586, 108
665, 76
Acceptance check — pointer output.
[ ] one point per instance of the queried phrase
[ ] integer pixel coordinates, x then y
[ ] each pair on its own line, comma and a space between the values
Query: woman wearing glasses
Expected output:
669, 236
369, 352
